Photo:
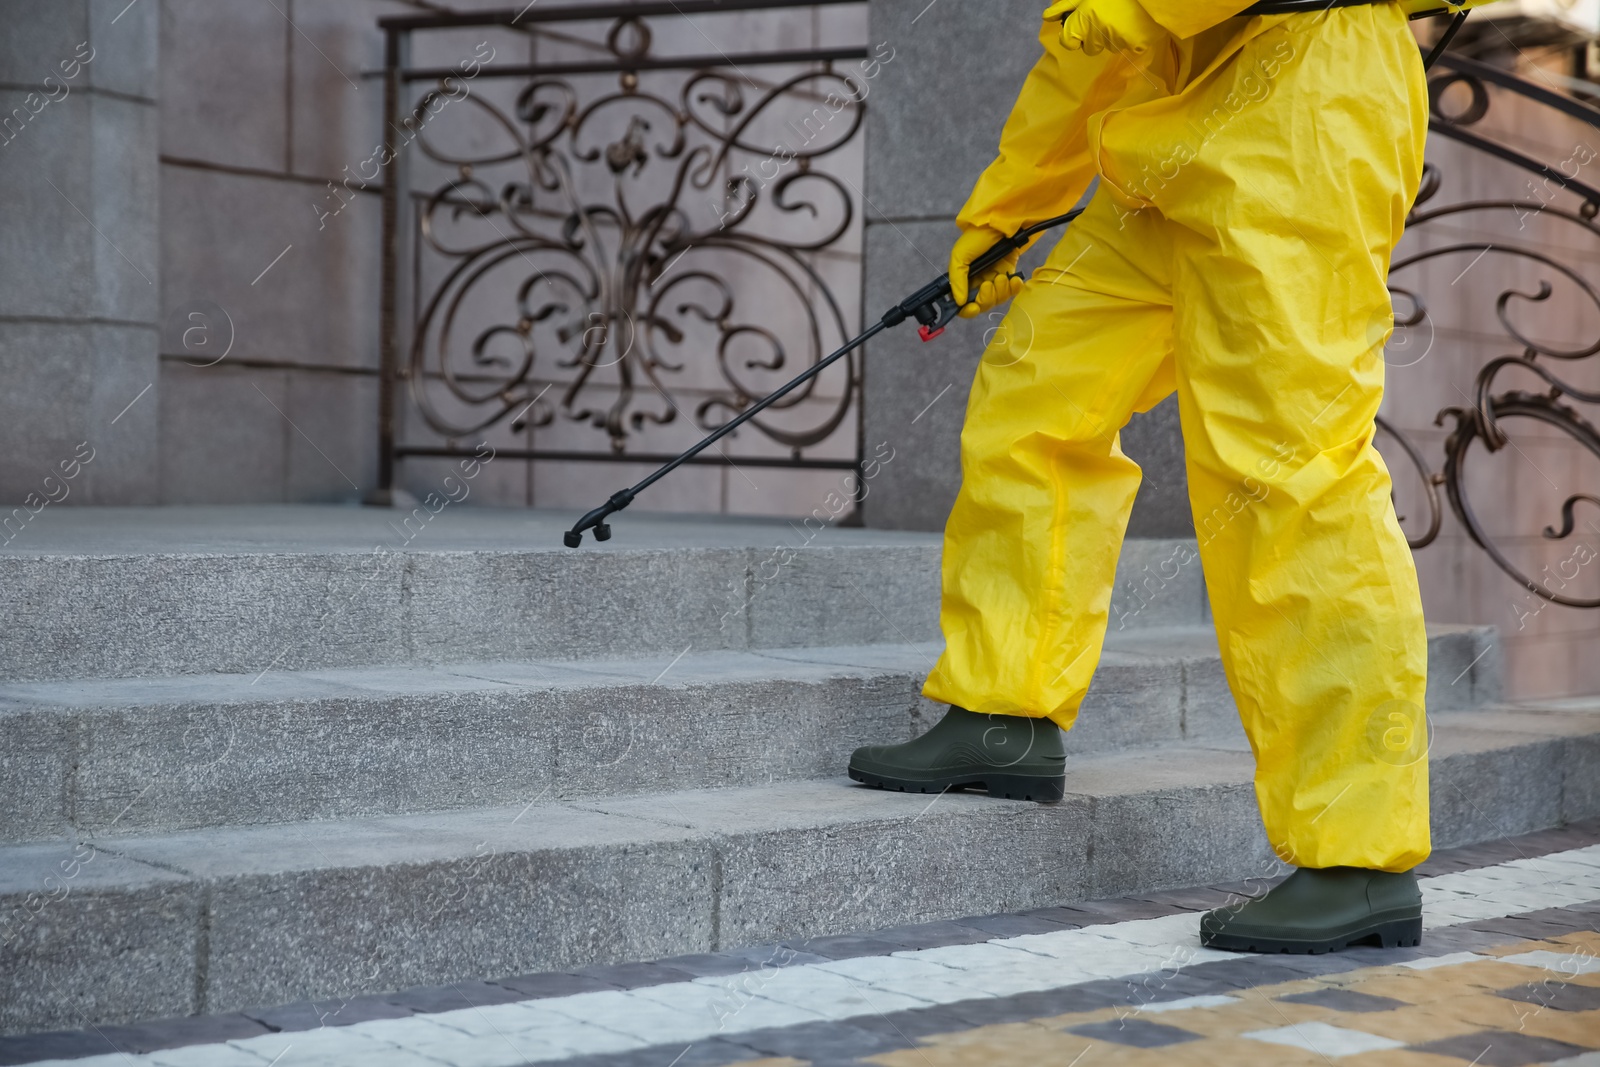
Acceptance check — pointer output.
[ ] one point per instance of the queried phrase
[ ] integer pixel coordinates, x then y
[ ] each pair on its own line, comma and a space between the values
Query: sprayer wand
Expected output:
932, 306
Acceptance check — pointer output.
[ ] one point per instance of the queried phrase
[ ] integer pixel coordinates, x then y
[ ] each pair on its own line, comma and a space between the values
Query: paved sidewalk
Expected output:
1508, 973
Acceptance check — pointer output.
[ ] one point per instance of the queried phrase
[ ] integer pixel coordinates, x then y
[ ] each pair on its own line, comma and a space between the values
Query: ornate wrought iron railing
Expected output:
615, 239
618, 203
1464, 92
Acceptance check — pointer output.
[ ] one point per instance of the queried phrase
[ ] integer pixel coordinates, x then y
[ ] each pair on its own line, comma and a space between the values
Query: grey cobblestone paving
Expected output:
870, 1035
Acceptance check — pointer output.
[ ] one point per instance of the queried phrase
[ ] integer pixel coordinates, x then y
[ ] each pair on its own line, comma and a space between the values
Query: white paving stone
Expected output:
1171, 931
367, 1054
1161, 944
1568, 963
405, 1031
1325, 1040
342, 1045
965, 957
887, 971
1554, 881
1088, 950
625, 1013
201, 1056
1449, 960
1215, 1000
494, 1035
271, 1047
515, 1017
527, 1046
732, 1007
834, 996
939, 992
1006, 978
326, 1045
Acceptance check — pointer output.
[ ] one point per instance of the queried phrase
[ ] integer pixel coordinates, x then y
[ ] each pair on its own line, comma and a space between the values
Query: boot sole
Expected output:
1044, 790
1394, 933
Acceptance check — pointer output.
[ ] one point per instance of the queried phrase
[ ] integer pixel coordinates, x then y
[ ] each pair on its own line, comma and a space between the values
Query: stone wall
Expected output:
79, 251
270, 343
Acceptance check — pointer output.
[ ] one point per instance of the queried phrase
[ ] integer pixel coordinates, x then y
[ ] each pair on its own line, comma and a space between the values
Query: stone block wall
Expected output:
270, 343
79, 252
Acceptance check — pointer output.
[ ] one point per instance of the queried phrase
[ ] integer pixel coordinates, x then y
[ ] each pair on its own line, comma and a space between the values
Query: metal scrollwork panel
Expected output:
624, 255
1487, 428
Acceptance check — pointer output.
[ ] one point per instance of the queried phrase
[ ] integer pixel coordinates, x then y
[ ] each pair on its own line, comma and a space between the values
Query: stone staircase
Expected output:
249, 758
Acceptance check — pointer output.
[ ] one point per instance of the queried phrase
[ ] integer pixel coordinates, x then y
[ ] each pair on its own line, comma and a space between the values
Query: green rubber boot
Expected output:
1013, 756
1322, 910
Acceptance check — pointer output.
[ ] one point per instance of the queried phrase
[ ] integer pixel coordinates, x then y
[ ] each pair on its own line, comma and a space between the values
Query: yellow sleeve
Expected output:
1044, 163
1185, 18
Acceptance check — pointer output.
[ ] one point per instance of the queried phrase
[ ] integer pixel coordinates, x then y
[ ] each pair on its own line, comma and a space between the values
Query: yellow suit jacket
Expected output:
1045, 162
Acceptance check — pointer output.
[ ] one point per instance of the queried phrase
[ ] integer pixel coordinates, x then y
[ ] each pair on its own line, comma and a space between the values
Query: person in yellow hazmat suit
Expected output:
1254, 177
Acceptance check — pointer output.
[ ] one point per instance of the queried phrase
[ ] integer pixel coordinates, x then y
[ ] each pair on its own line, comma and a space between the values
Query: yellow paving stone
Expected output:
1025, 1035
963, 1056
1252, 1012
1512, 949
1485, 974
1209, 1053
1414, 1026
1585, 939
1276, 993
1485, 1011
1242, 1052
925, 1056
1442, 983
1396, 1057
1581, 1028
1127, 1056
1189, 1054
1079, 1018
1283, 989
1415, 987
1507, 975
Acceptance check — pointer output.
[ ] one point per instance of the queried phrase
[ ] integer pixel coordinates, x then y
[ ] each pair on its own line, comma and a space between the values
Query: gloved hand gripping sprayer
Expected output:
933, 306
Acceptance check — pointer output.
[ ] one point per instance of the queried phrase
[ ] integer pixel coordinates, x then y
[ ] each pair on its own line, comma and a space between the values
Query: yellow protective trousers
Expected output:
1236, 253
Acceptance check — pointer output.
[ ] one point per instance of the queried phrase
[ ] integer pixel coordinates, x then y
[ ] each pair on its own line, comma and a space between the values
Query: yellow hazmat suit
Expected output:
1255, 175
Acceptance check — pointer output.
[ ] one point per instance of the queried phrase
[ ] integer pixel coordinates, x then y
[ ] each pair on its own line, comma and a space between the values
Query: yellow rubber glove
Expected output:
995, 286
1098, 25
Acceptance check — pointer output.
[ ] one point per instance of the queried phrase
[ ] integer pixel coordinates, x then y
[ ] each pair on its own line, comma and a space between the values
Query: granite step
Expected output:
150, 592
135, 755
105, 929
